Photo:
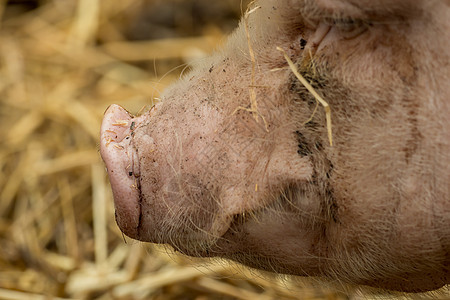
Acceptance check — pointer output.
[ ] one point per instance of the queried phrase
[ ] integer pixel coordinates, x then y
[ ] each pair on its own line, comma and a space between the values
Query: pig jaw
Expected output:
122, 163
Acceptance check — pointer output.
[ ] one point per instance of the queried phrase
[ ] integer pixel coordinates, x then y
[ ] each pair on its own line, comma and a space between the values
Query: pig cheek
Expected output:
192, 214
274, 241
180, 211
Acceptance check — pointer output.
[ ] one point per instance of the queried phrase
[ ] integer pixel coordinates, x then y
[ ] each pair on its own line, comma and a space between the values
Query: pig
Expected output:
238, 160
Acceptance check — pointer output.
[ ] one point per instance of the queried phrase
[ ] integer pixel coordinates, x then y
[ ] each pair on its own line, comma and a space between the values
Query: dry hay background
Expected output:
62, 62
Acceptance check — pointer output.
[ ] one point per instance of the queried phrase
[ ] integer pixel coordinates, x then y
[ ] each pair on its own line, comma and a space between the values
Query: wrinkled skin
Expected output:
208, 175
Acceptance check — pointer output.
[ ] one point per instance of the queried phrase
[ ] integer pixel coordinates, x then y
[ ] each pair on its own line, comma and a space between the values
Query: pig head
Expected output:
237, 162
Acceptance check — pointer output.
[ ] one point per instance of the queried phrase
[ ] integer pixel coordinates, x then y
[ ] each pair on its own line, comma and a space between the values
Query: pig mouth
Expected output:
122, 164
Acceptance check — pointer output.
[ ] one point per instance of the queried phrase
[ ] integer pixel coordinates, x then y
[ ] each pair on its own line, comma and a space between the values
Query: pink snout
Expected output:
122, 163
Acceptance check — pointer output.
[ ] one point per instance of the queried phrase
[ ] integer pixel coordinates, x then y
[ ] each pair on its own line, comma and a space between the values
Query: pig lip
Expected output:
122, 163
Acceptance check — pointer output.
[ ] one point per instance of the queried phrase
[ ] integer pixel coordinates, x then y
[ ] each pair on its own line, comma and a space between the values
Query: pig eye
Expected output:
303, 43
349, 28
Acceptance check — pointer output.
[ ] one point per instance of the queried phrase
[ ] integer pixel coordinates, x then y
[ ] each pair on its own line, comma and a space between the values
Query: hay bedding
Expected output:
61, 64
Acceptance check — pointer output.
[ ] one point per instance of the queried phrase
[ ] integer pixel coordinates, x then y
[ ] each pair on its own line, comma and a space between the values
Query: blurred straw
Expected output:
187, 48
99, 214
85, 24
2, 10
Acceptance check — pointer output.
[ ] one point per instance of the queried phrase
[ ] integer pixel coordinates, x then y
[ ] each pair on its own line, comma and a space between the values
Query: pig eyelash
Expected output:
343, 23
349, 27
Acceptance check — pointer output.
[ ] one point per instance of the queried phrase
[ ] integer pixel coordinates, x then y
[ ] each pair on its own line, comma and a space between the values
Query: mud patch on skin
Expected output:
411, 108
312, 135
415, 136
405, 66
303, 147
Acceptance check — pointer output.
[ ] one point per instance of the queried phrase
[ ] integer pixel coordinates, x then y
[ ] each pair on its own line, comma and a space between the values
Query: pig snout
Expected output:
122, 163
237, 161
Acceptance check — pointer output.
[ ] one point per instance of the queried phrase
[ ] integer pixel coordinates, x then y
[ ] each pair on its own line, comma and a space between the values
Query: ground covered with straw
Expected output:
62, 62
